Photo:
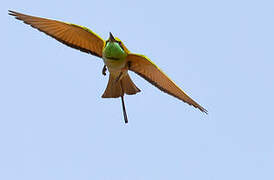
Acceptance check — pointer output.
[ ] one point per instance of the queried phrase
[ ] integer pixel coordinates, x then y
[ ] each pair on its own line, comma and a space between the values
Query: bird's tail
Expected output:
117, 88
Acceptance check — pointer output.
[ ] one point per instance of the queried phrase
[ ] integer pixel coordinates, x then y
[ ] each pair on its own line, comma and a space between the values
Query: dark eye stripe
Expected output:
120, 44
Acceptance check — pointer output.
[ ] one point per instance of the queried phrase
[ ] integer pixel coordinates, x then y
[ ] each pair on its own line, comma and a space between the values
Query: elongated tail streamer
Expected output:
123, 104
124, 109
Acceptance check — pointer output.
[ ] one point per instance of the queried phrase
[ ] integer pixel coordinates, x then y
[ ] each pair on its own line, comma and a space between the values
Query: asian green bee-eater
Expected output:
117, 59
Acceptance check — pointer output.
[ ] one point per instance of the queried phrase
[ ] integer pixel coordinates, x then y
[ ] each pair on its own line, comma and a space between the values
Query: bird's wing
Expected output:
144, 67
72, 35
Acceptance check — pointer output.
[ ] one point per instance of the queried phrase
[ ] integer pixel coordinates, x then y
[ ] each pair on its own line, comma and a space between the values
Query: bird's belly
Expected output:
114, 65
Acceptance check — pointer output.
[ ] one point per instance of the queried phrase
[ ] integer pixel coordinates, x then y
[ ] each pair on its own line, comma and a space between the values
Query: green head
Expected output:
113, 49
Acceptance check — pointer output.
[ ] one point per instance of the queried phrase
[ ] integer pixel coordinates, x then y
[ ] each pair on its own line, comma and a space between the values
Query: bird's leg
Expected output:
104, 70
123, 104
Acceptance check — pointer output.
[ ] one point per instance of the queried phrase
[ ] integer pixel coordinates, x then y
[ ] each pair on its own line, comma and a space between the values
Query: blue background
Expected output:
55, 125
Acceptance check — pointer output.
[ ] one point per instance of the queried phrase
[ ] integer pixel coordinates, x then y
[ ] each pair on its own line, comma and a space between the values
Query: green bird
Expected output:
117, 59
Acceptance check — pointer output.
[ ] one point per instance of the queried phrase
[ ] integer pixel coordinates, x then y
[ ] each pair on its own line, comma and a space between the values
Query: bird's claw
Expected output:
104, 70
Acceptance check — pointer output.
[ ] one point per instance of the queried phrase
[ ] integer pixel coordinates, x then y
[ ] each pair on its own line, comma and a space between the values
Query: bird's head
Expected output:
114, 48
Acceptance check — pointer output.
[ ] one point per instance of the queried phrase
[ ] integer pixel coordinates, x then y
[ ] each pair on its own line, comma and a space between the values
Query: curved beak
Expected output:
111, 37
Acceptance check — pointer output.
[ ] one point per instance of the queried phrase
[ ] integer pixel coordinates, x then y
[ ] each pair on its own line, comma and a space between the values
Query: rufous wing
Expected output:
72, 35
144, 67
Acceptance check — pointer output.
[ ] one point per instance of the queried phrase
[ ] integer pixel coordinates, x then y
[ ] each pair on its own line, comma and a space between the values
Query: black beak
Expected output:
111, 37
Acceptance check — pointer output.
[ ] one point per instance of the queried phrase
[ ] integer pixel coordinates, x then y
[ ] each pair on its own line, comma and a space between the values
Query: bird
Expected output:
118, 60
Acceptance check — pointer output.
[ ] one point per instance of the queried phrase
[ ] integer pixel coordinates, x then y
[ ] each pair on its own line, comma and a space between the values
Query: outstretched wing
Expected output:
148, 70
72, 35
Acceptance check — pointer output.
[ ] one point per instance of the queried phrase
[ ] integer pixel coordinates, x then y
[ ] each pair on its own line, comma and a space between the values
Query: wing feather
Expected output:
144, 67
78, 37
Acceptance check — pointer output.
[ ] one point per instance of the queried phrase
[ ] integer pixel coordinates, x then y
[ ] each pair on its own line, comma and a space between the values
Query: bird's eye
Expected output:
120, 43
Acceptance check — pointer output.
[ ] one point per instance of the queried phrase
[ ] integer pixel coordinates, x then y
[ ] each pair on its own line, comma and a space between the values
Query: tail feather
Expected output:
118, 89
128, 86
113, 89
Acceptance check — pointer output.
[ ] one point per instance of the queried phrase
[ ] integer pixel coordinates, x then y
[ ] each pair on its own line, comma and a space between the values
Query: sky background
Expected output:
55, 125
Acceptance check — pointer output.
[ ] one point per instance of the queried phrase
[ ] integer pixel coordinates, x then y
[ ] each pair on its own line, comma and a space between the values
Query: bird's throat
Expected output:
113, 51
114, 56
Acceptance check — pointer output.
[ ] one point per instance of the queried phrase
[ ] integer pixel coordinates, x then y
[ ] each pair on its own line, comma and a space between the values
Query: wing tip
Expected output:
204, 111
12, 13
15, 14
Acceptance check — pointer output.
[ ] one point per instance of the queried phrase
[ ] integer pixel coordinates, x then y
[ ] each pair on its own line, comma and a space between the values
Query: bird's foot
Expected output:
104, 70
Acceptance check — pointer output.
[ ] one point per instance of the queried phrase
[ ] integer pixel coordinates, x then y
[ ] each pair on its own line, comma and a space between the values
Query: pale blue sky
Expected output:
55, 125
